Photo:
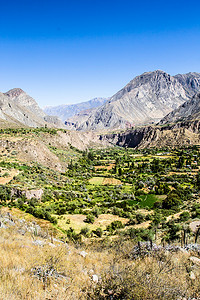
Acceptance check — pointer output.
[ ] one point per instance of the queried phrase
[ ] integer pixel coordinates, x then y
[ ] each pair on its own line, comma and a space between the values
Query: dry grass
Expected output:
104, 181
160, 276
7, 179
77, 221
109, 167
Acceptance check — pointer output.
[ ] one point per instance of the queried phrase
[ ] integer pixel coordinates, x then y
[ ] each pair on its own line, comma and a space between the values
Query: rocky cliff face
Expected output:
170, 135
190, 82
19, 109
64, 112
144, 100
190, 110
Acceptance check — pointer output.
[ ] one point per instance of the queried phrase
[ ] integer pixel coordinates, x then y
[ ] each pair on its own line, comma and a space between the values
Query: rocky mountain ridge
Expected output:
18, 109
144, 100
189, 110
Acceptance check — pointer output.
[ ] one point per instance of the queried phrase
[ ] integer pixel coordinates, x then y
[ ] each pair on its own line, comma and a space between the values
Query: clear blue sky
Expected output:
64, 52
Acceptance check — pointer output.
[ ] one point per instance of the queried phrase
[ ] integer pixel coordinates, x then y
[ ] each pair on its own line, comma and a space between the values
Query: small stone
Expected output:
195, 260
192, 276
38, 243
83, 253
52, 245
95, 278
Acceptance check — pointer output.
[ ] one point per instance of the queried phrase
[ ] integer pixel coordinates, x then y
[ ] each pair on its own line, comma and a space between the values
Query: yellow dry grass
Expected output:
77, 221
109, 167
7, 179
162, 276
104, 181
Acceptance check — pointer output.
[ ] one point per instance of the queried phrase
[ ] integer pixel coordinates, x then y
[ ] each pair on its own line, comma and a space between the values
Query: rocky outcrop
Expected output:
29, 194
144, 100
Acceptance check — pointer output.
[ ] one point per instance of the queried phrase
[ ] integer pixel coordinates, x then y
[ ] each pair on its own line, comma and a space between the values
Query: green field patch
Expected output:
147, 200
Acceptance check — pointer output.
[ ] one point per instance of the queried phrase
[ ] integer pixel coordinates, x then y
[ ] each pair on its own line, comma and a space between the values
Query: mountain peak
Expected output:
14, 92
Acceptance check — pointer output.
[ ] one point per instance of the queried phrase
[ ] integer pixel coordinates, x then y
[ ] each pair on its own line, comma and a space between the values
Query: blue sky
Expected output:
64, 52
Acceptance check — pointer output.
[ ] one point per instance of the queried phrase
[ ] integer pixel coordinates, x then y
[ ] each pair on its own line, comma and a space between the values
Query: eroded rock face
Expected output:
29, 194
144, 100
190, 110
190, 82
171, 135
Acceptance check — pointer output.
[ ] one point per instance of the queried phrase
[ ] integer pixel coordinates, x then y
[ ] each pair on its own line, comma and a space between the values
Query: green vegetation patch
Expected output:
96, 180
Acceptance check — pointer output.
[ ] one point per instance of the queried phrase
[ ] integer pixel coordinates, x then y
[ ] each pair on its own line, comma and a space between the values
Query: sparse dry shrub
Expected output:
31, 271
162, 276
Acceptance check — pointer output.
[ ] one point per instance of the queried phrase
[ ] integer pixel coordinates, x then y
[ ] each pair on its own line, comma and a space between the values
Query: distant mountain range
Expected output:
19, 109
64, 112
151, 98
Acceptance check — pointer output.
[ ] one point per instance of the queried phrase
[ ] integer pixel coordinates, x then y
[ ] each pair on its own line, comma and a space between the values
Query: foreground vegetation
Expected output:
108, 202
33, 265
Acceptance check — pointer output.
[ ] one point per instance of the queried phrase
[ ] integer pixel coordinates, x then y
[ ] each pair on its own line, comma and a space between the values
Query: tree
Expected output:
172, 201
89, 219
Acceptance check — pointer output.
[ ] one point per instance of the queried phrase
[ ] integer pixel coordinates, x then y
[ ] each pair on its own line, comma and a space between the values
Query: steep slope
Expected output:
64, 112
190, 82
19, 97
144, 100
190, 110
19, 109
172, 135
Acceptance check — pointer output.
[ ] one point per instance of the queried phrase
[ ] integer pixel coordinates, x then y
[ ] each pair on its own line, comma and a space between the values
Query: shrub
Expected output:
184, 216
98, 232
89, 219
85, 231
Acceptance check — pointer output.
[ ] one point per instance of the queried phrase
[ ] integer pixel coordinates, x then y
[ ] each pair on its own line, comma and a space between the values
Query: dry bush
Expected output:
29, 271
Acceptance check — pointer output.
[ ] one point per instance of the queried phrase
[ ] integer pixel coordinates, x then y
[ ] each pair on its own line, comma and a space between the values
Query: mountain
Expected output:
19, 109
190, 82
64, 112
144, 100
190, 110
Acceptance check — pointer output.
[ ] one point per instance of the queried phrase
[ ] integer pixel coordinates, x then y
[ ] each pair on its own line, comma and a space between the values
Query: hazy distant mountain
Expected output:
18, 108
190, 110
144, 100
64, 112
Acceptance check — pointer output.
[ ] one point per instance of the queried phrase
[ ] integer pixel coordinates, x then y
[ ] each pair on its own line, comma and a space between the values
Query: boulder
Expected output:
195, 260
95, 278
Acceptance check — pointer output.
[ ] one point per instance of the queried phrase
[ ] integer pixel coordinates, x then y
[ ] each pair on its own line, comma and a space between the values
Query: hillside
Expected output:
117, 223
37, 263
17, 109
190, 82
190, 110
39, 145
170, 135
144, 100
